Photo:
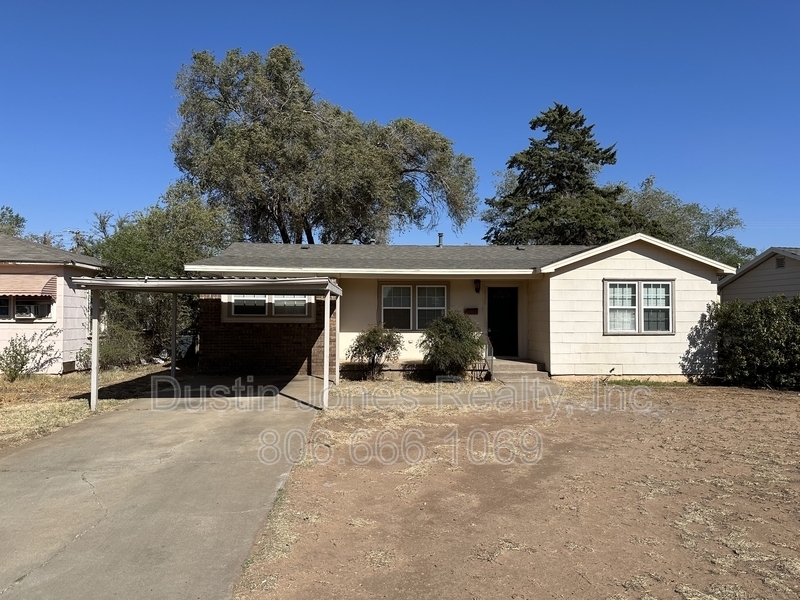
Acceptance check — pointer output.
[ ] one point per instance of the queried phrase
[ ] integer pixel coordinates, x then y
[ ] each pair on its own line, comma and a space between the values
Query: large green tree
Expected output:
157, 241
290, 167
690, 225
550, 193
11, 222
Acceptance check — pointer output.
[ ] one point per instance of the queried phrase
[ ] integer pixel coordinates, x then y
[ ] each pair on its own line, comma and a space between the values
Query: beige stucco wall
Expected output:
67, 314
361, 308
765, 280
577, 343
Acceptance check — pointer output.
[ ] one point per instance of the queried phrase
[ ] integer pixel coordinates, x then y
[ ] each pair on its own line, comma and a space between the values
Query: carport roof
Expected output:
306, 286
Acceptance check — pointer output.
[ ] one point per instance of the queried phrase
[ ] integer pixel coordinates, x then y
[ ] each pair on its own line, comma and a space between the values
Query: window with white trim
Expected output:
639, 307
289, 305
249, 304
431, 304
396, 306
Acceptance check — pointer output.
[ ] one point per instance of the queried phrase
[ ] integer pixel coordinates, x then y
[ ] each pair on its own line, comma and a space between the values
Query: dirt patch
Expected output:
682, 492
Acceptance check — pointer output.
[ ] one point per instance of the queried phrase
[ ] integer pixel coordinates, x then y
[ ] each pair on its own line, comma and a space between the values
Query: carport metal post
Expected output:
174, 333
95, 348
336, 366
326, 359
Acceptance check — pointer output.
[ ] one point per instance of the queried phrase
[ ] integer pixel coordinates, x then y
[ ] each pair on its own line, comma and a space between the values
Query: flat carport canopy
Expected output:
309, 286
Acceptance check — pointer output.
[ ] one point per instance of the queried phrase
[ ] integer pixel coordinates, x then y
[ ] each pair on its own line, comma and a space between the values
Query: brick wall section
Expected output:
263, 348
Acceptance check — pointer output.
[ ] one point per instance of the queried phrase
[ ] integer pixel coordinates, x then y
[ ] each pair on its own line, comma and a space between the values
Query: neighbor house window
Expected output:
32, 308
639, 307
289, 305
396, 306
249, 304
431, 303
5, 308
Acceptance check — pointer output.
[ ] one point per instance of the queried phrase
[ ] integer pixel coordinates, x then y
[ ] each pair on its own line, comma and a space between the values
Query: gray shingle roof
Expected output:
13, 249
342, 257
789, 251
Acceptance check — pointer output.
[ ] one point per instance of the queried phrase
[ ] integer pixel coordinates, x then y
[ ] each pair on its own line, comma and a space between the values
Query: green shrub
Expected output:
452, 344
374, 347
24, 355
754, 344
121, 347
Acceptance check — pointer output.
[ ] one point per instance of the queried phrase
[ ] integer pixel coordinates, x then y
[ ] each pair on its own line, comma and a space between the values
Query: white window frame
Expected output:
418, 308
409, 308
639, 307
229, 315
235, 297
13, 301
289, 297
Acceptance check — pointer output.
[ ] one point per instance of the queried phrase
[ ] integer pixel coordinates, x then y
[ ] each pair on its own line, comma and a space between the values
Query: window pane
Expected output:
289, 305
655, 294
426, 316
430, 297
4, 307
622, 294
622, 319
250, 304
397, 318
397, 296
656, 319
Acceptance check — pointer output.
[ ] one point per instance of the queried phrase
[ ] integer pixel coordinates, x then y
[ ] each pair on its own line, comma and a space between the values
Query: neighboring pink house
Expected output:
36, 292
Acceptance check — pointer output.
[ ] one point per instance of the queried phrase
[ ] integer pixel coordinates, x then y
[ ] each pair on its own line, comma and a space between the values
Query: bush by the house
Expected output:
375, 347
119, 347
24, 354
452, 344
756, 343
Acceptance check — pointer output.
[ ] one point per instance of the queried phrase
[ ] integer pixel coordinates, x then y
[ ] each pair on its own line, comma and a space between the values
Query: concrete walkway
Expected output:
145, 502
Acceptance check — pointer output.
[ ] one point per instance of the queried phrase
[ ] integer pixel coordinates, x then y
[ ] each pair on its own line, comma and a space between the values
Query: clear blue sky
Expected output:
704, 95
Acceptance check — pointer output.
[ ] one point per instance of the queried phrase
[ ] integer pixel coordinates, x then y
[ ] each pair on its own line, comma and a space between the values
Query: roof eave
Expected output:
287, 271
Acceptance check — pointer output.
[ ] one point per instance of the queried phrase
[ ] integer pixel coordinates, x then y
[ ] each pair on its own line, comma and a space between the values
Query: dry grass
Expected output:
37, 405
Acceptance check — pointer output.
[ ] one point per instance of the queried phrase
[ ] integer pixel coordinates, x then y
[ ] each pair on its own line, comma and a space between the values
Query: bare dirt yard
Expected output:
677, 492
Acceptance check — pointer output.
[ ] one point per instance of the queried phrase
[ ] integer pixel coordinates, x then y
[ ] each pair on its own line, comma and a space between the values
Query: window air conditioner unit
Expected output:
25, 311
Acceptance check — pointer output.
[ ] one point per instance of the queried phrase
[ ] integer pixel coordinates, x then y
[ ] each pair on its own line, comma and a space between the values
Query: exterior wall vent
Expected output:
780, 262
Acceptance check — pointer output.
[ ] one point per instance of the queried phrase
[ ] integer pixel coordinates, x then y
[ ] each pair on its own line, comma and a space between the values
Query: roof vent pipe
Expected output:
441, 240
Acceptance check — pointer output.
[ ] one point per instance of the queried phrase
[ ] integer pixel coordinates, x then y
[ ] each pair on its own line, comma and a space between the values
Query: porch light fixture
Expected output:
477, 283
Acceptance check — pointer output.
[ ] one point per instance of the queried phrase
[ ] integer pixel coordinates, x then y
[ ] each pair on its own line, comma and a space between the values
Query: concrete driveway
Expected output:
144, 502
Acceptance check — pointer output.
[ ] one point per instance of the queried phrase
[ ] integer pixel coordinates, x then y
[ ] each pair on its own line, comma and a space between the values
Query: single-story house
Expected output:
36, 292
774, 272
575, 310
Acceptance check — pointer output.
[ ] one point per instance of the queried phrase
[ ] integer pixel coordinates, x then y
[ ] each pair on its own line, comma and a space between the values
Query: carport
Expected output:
310, 286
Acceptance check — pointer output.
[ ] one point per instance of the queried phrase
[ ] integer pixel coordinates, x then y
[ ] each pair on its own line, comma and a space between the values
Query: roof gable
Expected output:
637, 237
17, 250
793, 253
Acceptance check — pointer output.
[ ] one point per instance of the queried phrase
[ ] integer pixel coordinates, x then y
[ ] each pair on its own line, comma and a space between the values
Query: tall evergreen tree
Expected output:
551, 195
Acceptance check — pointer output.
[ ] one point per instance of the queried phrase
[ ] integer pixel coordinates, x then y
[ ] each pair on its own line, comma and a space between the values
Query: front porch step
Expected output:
517, 370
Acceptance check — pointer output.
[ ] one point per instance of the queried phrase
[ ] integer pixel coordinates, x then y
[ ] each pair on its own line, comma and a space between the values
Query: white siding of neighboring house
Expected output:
361, 308
578, 345
539, 322
11, 327
67, 314
765, 280
74, 317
